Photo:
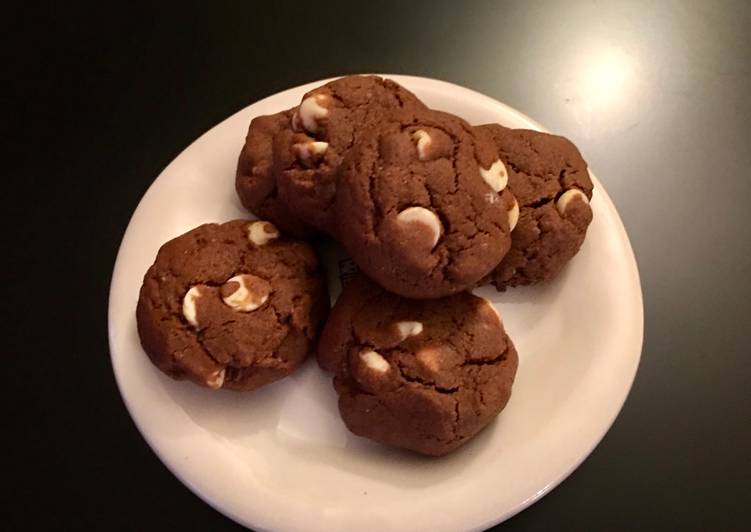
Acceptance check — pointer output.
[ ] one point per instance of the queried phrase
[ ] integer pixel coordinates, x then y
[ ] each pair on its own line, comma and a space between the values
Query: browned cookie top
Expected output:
255, 180
231, 305
325, 125
549, 178
422, 375
422, 205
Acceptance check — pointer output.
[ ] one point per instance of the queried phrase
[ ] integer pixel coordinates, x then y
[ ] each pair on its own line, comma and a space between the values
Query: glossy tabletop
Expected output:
655, 94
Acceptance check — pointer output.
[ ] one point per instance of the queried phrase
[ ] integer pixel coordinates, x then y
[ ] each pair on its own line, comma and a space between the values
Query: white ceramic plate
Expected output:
281, 459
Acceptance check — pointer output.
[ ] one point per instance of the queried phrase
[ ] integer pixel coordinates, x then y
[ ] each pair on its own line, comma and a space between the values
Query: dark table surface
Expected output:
656, 95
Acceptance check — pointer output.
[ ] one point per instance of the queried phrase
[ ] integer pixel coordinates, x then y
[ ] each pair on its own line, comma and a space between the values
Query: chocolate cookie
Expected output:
422, 207
421, 375
550, 181
325, 125
231, 305
255, 180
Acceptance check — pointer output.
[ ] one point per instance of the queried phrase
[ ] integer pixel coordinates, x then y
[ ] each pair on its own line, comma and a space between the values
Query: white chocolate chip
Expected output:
374, 361
408, 328
311, 110
513, 215
189, 305
567, 197
251, 293
216, 379
260, 232
425, 217
423, 140
310, 153
496, 176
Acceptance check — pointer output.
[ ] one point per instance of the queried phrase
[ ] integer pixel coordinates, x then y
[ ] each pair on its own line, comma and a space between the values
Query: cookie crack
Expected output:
431, 385
199, 338
485, 361
398, 97
455, 426
539, 203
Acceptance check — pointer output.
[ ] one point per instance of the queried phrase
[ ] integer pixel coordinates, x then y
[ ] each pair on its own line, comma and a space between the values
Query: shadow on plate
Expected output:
300, 416
368, 459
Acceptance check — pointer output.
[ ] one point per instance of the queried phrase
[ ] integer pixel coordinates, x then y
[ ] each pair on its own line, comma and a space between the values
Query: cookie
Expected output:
550, 181
231, 306
422, 205
328, 121
255, 179
417, 374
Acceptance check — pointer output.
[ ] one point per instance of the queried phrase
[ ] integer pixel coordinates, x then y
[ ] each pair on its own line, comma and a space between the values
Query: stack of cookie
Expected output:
427, 206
